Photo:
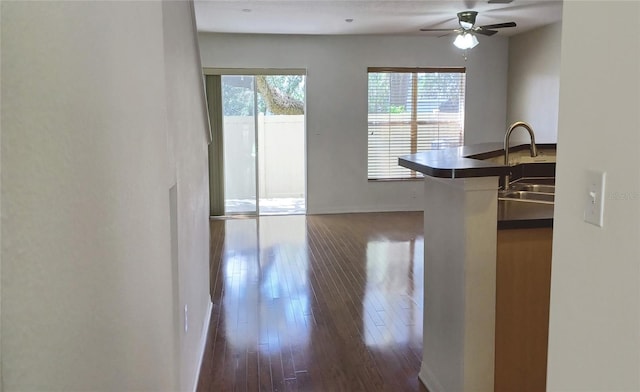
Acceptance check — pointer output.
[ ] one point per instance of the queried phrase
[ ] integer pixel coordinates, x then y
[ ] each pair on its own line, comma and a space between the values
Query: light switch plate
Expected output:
594, 198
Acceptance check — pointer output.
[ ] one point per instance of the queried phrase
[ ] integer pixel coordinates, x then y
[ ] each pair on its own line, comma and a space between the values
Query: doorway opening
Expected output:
263, 143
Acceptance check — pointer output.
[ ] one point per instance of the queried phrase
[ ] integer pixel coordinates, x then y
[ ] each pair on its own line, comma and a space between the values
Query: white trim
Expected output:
356, 209
202, 89
256, 159
428, 380
255, 71
203, 343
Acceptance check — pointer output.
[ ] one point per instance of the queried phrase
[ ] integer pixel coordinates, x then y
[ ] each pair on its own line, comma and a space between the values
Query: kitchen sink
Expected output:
526, 196
533, 187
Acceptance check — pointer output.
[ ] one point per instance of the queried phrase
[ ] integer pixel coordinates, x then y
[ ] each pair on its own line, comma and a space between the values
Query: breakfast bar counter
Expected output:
462, 215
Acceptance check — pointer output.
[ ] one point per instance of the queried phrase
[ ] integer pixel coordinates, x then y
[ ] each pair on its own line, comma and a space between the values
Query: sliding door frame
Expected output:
209, 71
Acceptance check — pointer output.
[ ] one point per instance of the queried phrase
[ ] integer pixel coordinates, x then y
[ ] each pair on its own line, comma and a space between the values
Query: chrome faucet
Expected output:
507, 136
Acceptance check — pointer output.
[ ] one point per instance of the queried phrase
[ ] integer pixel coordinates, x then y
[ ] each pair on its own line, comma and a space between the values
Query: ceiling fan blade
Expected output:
499, 25
449, 33
437, 30
500, 1
485, 32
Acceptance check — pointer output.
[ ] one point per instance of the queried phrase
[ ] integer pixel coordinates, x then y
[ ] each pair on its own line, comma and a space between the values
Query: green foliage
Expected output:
291, 85
379, 92
439, 86
391, 92
238, 100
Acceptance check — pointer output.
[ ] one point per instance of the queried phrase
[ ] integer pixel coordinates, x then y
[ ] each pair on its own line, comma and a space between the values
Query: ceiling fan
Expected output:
467, 31
467, 21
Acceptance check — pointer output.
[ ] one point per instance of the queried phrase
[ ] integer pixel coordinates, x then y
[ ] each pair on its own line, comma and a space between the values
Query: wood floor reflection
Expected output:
316, 303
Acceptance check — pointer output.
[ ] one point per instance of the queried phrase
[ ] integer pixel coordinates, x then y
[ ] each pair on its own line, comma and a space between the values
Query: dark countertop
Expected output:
454, 162
457, 163
462, 162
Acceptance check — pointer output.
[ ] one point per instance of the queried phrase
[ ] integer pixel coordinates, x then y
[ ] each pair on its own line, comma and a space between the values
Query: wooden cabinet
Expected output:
523, 281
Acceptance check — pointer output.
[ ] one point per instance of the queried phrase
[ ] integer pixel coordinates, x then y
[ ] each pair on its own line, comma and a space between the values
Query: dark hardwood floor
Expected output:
316, 303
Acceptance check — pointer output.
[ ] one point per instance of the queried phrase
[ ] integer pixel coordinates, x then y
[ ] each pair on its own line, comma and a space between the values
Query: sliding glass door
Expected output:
240, 144
260, 166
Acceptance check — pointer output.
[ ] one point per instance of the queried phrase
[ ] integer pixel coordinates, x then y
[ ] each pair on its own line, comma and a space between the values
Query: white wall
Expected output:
189, 169
97, 125
337, 103
594, 331
534, 80
1, 383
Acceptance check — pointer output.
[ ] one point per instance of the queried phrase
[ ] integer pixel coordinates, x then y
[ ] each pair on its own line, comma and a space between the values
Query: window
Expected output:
411, 110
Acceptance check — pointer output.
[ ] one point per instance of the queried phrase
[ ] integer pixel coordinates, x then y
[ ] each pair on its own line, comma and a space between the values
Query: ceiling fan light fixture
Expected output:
466, 25
466, 41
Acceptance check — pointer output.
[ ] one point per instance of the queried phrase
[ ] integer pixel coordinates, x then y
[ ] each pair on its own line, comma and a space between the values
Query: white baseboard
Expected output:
361, 209
427, 378
203, 343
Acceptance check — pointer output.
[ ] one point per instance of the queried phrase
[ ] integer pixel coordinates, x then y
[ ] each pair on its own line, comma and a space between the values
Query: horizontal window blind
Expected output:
411, 110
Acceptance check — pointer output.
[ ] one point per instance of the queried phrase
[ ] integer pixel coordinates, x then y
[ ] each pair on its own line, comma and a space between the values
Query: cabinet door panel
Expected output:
523, 280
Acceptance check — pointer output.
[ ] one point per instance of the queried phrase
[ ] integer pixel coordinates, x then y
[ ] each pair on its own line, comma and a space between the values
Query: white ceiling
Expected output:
369, 16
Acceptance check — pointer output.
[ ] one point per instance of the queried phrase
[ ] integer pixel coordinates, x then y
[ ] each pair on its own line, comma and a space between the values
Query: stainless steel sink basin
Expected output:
526, 196
533, 187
